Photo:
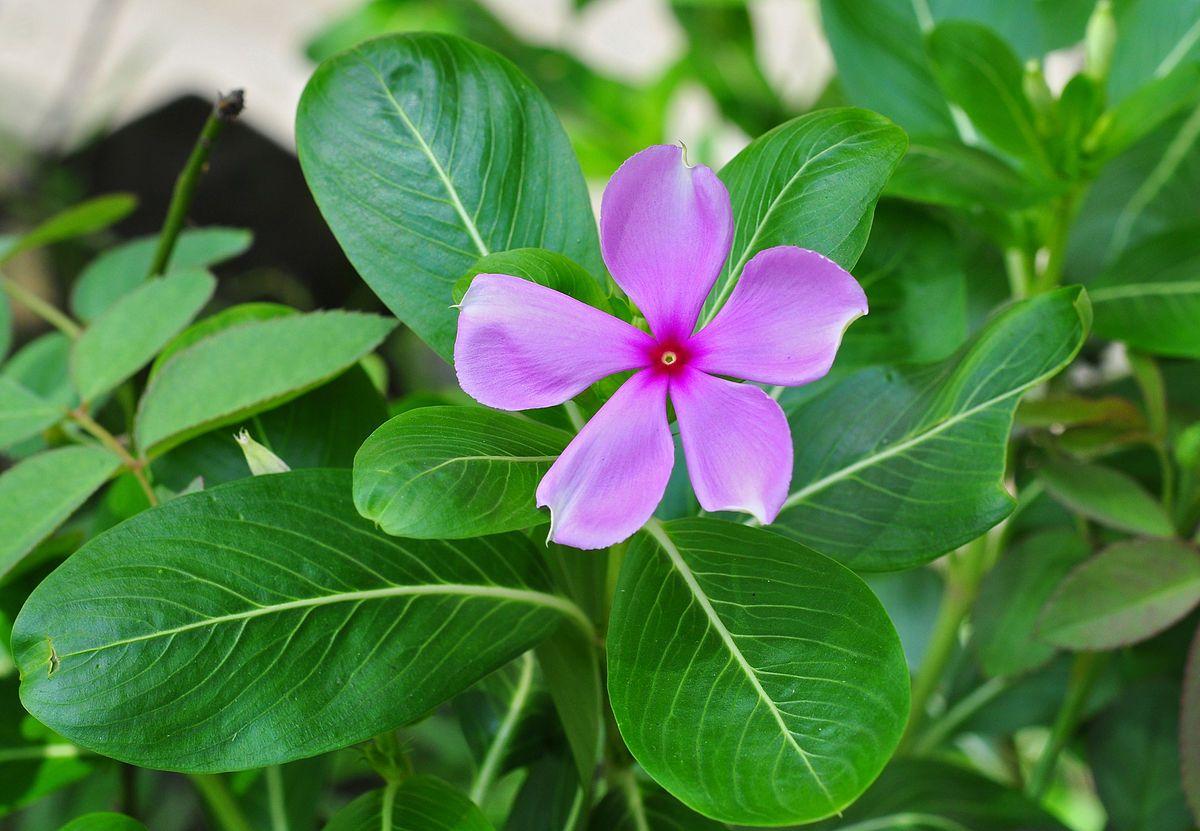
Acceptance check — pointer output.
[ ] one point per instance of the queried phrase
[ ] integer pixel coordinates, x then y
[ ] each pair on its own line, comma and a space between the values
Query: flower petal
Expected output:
611, 477
737, 443
666, 230
521, 346
784, 321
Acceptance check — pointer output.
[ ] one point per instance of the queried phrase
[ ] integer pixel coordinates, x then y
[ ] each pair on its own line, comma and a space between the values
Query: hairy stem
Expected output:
220, 802
1083, 674
136, 466
41, 308
226, 110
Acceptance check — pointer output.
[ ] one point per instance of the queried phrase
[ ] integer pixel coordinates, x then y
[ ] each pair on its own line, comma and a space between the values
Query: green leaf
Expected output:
546, 268
33, 762
77, 221
895, 466
948, 172
41, 366
1189, 728
1133, 752
23, 413
422, 803
548, 798
103, 821
426, 152
638, 808
1005, 617
126, 337
40, 492
1150, 297
572, 674
1125, 594
1143, 111
6, 325
980, 73
928, 795
1154, 37
219, 322
250, 368
264, 604
1107, 496
120, 270
754, 679
812, 182
453, 472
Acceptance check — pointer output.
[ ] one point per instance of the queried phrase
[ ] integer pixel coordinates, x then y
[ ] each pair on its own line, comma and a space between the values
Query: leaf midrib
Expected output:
659, 534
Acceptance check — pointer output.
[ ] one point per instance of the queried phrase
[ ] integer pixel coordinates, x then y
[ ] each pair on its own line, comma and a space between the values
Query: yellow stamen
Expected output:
668, 358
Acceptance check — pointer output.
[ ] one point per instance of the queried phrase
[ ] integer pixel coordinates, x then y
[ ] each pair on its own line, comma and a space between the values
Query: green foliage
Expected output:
80, 220
1108, 496
103, 821
422, 803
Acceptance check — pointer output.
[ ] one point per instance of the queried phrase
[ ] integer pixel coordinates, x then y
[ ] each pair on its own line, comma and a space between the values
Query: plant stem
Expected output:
220, 801
1056, 240
276, 798
972, 703
500, 745
136, 466
575, 415
226, 110
41, 308
1083, 674
1020, 275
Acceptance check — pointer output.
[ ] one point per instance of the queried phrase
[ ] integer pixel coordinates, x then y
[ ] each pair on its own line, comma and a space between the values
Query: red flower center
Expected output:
668, 356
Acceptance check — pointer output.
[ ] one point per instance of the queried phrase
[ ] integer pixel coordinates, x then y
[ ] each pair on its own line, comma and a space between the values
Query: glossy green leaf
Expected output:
453, 472
40, 492
546, 268
103, 821
1125, 594
426, 152
549, 798
128, 334
246, 369
948, 172
1005, 617
123, 268
23, 413
79, 220
265, 604
1143, 111
783, 184
895, 466
1150, 297
33, 762
754, 679
422, 803
979, 72
1107, 496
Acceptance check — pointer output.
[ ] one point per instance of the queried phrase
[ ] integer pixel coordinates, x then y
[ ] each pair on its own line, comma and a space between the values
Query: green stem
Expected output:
227, 109
220, 801
499, 747
1056, 240
575, 415
972, 703
388, 808
41, 308
1083, 674
136, 466
633, 798
276, 798
1016, 264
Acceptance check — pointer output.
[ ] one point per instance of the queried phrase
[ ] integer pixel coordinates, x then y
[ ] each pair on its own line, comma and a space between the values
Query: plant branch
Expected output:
220, 801
226, 110
41, 308
136, 466
1083, 674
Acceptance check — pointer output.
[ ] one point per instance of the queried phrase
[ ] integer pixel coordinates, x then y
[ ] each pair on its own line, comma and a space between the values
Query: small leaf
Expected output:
1125, 594
453, 472
77, 221
259, 459
126, 337
1107, 496
249, 368
422, 803
546, 268
40, 492
123, 268
23, 413
41, 366
261, 605
757, 681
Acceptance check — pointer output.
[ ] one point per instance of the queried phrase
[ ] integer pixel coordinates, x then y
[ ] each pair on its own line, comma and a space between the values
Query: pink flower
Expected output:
666, 231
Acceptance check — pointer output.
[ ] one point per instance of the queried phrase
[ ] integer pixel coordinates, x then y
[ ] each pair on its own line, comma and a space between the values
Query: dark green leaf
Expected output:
77, 221
453, 472
103, 821
1153, 37
426, 152
897, 466
547, 798
23, 413
1189, 728
756, 680
948, 172
1125, 594
572, 673
265, 604
1107, 496
638, 808
546, 268
422, 803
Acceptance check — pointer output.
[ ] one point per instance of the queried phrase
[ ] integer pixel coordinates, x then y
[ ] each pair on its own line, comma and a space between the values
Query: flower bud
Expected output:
1099, 40
1038, 92
259, 458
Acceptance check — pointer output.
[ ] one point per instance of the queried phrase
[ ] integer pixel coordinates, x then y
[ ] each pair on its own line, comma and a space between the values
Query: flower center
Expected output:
668, 357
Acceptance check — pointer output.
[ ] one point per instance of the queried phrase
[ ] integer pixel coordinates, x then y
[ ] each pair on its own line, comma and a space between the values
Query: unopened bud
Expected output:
260, 459
1038, 92
1099, 40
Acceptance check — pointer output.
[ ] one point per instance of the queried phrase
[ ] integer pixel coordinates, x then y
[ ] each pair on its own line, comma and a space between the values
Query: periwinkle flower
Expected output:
666, 230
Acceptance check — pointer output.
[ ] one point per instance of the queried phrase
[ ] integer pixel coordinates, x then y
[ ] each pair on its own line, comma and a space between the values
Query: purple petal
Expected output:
784, 321
666, 229
521, 346
611, 477
737, 443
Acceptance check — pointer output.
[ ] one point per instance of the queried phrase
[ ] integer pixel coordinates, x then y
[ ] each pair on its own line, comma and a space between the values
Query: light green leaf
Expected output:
1153, 37
453, 472
896, 466
422, 803
754, 679
948, 172
250, 368
979, 72
264, 604
426, 152
784, 183
40, 492
1125, 594
77, 221
23, 413
1107, 496
126, 337
103, 821
546, 268
222, 320
41, 366
120, 270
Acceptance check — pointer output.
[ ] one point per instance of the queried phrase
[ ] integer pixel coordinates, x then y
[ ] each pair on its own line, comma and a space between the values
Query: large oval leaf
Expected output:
756, 680
264, 621
422, 803
426, 152
895, 467
451, 472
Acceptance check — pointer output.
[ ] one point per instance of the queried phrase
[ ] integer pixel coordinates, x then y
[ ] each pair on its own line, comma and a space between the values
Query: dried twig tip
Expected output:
230, 104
